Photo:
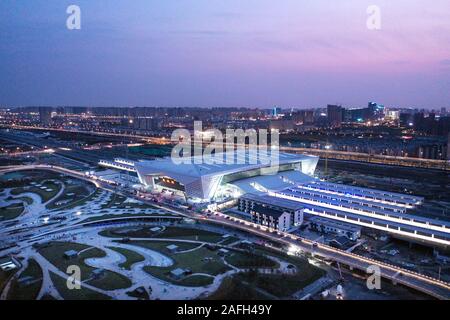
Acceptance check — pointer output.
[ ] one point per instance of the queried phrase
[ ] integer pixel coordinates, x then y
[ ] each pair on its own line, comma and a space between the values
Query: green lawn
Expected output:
4, 278
27, 200
160, 246
190, 234
108, 233
250, 260
278, 285
131, 256
11, 212
81, 294
23, 178
122, 232
45, 195
233, 288
169, 232
54, 253
73, 195
139, 295
84, 200
196, 281
154, 150
200, 260
282, 285
27, 292
118, 201
228, 241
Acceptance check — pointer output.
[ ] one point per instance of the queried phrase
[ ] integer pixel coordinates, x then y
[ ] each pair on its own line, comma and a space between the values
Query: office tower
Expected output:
334, 114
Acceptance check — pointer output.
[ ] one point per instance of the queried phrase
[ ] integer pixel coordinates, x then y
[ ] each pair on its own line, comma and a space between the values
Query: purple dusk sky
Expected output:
253, 53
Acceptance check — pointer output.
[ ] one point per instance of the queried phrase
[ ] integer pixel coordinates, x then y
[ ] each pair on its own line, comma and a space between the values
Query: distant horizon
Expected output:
202, 53
212, 107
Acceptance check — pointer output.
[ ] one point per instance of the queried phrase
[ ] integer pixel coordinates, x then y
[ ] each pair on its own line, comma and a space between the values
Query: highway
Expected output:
431, 286
148, 139
56, 148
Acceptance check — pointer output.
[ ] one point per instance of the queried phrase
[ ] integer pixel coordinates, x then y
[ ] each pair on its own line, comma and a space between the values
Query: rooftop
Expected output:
71, 253
335, 223
273, 201
221, 163
178, 272
277, 182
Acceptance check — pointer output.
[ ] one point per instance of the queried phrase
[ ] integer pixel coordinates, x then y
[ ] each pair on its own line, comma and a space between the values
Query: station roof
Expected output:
378, 221
280, 181
196, 167
348, 198
377, 211
353, 190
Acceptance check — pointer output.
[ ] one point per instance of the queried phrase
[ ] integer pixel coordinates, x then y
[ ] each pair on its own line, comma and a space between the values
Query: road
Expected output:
433, 287
54, 147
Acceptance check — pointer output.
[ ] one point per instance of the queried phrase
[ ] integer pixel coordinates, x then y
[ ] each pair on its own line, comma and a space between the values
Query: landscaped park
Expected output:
127, 249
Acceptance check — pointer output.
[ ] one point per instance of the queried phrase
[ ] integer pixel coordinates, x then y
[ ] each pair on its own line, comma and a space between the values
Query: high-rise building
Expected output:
448, 146
355, 115
275, 112
419, 121
375, 111
45, 115
281, 124
406, 119
393, 115
335, 115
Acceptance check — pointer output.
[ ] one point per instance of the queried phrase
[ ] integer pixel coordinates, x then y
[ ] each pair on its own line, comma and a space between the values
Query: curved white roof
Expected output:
202, 177
196, 167
276, 182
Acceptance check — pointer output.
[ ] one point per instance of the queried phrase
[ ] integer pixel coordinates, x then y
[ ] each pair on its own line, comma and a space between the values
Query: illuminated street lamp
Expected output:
327, 148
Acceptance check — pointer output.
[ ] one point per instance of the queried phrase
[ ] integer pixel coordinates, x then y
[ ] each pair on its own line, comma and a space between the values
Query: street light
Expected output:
327, 148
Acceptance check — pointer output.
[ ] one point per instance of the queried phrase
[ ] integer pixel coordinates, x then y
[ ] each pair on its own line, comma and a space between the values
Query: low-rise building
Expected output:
324, 225
98, 273
179, 273
341, 242
7, 264
70, 254
272, 212
172, 248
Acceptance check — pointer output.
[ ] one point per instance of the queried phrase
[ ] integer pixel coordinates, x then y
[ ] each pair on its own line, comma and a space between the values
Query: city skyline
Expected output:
200, 54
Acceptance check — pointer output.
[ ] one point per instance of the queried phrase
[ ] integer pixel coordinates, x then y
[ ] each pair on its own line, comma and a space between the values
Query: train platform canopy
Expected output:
266, 183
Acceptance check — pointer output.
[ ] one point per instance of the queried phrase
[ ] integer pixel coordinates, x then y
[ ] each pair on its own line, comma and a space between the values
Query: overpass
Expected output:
373, 158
